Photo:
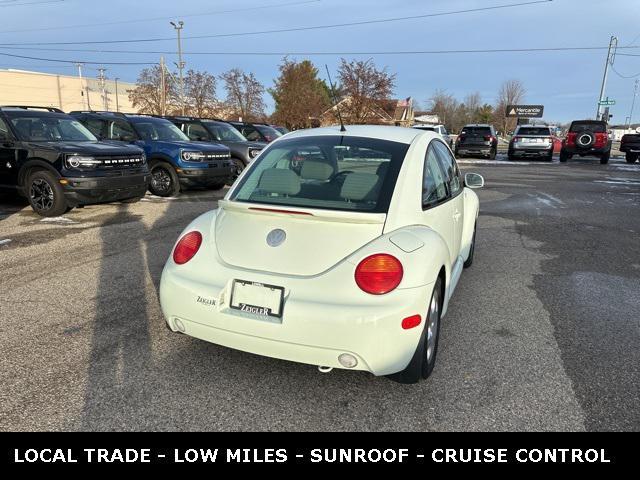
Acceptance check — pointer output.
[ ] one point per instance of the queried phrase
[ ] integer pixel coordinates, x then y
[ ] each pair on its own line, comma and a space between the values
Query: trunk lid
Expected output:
314, 241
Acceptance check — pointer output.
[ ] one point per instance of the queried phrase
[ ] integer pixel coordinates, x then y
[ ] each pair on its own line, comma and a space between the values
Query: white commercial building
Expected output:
68, 93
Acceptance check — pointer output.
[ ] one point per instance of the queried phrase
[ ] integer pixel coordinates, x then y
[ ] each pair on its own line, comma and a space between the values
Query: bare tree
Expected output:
244, 94
299, 81
366, 90
148, 95
200, 92
511, 92
446, 107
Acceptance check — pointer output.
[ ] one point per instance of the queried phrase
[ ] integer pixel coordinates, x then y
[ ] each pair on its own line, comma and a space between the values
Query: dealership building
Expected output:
68, 93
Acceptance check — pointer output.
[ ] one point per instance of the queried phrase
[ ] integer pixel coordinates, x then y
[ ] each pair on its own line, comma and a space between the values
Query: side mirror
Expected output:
473, 180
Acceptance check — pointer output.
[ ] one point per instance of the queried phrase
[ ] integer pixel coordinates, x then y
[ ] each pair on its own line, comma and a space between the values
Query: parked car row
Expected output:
584, 138
59, 161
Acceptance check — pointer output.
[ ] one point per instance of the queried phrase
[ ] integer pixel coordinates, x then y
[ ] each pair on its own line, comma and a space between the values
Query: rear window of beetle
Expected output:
325, 172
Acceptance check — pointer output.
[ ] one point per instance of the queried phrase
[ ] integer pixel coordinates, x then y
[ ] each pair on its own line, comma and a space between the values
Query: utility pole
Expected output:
611, 55
181, 64
80, 65
117, 100
103, 84
633, 101
163, 86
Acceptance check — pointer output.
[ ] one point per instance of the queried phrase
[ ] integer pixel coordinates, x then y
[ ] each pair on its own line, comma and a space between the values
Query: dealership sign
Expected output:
526, 111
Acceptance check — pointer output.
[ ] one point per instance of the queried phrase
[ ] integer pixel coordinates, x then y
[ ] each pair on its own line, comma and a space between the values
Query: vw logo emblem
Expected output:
276, 237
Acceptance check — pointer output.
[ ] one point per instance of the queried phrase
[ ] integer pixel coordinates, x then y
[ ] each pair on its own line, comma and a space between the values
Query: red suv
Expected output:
587, 137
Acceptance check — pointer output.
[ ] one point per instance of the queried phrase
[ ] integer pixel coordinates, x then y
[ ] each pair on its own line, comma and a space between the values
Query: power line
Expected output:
155, 19
624, 76
295, 29
325, 53
12, 4
74, 61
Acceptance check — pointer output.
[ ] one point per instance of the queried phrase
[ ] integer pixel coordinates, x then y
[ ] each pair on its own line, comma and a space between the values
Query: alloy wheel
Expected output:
41, 194
160, 180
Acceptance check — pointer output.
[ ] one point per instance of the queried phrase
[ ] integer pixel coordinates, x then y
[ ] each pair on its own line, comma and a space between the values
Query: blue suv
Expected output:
174, 161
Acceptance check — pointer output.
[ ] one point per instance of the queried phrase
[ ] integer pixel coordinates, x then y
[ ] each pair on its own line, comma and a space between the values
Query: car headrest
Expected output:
280, 180
316, 170
359, 186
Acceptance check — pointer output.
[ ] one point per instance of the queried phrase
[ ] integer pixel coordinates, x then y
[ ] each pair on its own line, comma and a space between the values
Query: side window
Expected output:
450, 168
4, 131
251, 134
434, 189
94, 126
119, 130
197, 132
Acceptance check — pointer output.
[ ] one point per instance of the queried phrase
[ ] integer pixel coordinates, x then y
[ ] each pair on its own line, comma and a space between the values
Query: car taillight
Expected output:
379, 274
601, 140
187, 247
571, 139
487, 137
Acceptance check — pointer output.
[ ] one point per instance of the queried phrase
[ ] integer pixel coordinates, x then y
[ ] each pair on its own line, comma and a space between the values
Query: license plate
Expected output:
257, 298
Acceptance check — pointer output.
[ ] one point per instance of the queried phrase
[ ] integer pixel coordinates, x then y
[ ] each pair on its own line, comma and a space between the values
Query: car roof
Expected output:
533, 126
599, 122
379, 132
147, 117
477, 125
20, 112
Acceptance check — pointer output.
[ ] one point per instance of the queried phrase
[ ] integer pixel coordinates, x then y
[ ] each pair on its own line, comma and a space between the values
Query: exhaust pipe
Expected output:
322, 369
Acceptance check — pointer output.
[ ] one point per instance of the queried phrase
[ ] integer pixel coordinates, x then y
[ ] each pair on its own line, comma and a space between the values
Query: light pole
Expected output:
181, 64
633, 102
611, 55
80, 65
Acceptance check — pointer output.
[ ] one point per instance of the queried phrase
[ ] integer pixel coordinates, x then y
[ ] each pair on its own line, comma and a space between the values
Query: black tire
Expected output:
631, 157
469, 261
494, 152
455, 152
604, 158
216, 186
239, 166
564, 156
164, 180
45, 194
550, 156
424, 358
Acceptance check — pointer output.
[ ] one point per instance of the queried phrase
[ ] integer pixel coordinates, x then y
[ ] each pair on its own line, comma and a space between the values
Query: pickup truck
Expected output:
630, 145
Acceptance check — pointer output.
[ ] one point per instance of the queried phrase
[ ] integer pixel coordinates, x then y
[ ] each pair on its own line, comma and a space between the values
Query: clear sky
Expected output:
566, 82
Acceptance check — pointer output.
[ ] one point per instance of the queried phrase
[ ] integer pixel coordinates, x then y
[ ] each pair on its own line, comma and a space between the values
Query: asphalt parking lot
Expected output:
542, 333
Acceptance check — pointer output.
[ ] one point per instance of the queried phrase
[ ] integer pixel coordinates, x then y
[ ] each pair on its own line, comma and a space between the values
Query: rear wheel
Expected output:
424, 358
493, 153
238, 167
564, 156
164, 180
604, 159
46, 195
550, 156
631, 157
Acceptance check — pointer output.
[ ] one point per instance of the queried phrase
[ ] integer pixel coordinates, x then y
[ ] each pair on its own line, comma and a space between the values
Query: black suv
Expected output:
218, 131
257, 132
587, 137
54, 161
477, 140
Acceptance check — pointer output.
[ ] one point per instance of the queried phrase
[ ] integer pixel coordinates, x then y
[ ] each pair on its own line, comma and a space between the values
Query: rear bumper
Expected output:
631, 148
85, 191
312, 331
531, 152
586, 151
470, 149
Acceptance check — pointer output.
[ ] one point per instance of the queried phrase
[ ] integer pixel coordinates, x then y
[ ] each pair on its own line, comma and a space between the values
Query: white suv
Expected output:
440, 129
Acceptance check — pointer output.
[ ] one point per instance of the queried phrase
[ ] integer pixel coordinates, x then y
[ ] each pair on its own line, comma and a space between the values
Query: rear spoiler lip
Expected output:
304, 214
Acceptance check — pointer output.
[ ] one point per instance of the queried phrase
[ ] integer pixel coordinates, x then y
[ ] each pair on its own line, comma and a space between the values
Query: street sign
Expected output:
607, 102
525, 111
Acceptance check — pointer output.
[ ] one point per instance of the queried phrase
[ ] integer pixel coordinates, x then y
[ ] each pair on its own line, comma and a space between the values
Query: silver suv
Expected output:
531, 141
